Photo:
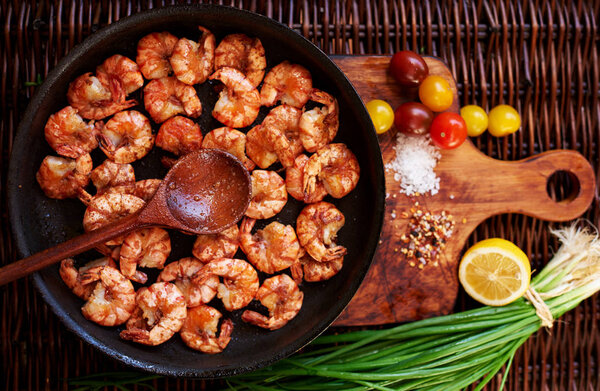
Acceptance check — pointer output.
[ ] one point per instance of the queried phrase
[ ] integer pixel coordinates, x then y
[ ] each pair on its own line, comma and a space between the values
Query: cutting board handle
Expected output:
530, 195
540, 169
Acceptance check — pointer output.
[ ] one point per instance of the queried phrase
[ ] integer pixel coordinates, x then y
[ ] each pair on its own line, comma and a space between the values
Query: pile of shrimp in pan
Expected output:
300, 139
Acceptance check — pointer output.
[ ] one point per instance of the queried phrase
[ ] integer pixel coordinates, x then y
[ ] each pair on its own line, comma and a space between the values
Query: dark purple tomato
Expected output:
413, 118
408, 68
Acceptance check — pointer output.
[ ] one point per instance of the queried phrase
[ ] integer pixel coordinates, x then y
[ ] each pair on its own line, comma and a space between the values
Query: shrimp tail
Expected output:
98, 126
105, 142
91, 275
139, 277
225, 335
126, 104
84, 196
104, 250
335, 253
118, 95
297, 272
256, 319
116, 89
135, 334
201, 277
310, 183
247, 225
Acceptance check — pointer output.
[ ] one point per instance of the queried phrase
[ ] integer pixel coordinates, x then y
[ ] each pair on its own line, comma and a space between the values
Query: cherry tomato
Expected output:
503, 121
408, 68
413, 118
475, 118
381, 114
435, 93
448, 130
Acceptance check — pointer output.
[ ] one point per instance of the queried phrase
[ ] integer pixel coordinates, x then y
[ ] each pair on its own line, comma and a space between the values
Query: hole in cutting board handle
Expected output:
563, 186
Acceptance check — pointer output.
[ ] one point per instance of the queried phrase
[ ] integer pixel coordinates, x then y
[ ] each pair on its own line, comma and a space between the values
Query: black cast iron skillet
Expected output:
39, 222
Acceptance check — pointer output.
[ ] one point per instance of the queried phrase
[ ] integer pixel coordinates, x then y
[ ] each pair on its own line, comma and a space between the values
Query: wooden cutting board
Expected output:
473, 187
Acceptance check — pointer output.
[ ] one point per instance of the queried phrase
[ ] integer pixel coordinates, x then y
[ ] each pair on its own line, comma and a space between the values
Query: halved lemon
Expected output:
495, 272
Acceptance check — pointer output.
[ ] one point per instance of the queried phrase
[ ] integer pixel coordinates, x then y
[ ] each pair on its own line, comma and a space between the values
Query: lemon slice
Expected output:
495, 272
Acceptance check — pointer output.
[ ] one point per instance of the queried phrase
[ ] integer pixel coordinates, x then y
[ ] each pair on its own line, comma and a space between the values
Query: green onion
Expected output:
38, 82
443, 353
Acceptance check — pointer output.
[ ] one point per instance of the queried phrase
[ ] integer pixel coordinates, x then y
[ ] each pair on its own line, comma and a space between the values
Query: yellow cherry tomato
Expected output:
435, 93
381, 114
503, 120
475, 118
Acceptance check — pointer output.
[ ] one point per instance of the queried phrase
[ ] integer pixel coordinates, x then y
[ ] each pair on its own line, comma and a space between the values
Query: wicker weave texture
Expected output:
539, 56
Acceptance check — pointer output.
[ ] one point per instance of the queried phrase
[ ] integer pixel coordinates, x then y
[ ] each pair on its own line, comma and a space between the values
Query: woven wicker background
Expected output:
539, 56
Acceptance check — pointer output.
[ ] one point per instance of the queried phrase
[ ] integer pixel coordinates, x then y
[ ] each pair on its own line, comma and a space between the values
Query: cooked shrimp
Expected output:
166, 97
112, 301
127, 137
199, 330
62, 178
283, 299
69, 135
239, 101
220, 245
317, 226
294, 182
110, 174
271, 249
280, 128
146, 247
110, 252
160, 313
146, 188
153, 52
240, 281
229, 140
319, 126
193, 62
72, 276
243, 53
269, 195
288, 83
257, 148
106, 208
336, 166
122, 70
313, 271
95, 100
179, 135
181, 273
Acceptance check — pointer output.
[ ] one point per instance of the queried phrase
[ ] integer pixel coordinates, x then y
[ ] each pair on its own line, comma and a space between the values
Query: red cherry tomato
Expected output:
413, 118
408, 68
448, 130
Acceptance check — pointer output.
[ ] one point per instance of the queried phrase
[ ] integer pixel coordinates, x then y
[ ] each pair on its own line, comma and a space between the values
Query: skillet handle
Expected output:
67, 249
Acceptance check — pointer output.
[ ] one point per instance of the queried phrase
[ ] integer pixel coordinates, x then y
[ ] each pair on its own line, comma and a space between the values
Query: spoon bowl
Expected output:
205, 192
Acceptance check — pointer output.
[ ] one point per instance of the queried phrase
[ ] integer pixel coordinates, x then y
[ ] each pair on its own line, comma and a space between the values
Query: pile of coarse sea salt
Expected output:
413, 165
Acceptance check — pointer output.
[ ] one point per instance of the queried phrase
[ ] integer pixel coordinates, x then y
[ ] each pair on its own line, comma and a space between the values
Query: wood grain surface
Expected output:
473, 187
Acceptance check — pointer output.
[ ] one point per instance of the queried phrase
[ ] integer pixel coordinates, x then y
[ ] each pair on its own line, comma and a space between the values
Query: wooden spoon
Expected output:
205, 192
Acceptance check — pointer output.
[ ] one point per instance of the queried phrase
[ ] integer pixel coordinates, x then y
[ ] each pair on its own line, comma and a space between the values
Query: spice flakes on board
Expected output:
426, 237
413, 164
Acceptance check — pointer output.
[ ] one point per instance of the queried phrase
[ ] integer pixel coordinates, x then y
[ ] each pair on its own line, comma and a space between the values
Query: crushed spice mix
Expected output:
427, 236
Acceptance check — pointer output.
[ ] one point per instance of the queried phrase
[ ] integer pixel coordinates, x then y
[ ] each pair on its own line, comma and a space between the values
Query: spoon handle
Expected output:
67, 249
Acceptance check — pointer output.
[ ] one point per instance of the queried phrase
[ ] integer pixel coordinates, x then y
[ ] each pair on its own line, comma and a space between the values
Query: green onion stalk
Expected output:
443, 353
